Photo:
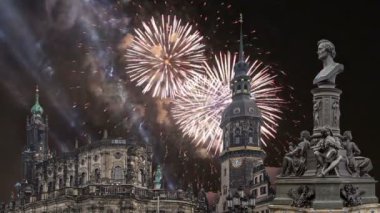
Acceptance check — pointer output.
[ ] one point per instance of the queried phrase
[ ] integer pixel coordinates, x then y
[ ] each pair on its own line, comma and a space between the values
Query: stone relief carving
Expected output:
302, 196
336, 113
316, 109
351, 195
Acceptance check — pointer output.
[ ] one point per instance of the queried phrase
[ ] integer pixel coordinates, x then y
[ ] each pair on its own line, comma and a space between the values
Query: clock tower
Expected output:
242, 154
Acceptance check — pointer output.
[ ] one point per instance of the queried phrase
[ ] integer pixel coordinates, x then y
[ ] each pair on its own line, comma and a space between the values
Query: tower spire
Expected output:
37, 94
37, 108
241, 49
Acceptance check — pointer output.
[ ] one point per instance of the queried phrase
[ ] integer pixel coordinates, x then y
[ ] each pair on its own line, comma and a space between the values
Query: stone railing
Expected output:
119, 190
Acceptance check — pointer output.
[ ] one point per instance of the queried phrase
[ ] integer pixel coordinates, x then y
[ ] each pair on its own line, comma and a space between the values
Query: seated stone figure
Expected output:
356, 165
326, 152
294, 162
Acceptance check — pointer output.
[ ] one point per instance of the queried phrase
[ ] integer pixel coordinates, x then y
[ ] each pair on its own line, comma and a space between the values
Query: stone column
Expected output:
326, 109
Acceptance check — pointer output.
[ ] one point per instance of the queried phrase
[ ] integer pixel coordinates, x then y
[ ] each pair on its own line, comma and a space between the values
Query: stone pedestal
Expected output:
326, 191
367, 208
326, 109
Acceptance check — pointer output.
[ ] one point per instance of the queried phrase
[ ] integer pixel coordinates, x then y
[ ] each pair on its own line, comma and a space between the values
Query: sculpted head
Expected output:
347, 135
325, 48
305, 135
326, 131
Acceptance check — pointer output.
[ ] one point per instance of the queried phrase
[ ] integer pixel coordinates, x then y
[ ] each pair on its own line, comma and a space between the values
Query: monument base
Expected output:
326, 191
366, 208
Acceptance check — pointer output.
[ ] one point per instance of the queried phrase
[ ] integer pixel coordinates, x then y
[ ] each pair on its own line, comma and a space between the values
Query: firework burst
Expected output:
198, 111
164, 55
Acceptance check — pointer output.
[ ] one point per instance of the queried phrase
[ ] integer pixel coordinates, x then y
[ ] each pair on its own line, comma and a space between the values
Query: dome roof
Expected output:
37, 109
243, 107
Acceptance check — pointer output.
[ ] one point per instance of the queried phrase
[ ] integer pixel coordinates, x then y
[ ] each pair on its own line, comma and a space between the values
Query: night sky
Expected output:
58, 43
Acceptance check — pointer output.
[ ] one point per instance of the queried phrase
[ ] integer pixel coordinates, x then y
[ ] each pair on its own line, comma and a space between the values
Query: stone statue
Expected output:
326, 53
291, 146
356, 165
316, 108
326, 152
158, 178
336, 113
294, 162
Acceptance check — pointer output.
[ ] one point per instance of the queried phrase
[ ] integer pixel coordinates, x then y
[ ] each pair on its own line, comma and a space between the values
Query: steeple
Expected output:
242, 109
37, 108
241, 49
242, 154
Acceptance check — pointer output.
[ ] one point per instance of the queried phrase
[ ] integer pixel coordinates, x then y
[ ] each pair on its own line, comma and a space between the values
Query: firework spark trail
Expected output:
164, 55
198, 110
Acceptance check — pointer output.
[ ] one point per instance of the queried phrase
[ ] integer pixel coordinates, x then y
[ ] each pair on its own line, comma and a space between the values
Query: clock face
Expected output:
236, 162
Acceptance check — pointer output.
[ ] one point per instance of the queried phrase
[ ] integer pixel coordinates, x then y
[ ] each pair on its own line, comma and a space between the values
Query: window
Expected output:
60, 183
263, 190
255, 182
97, 175
255, 192
140, 176
225, 171
50, 186
82, 179
224, 190
118, 173
71, 179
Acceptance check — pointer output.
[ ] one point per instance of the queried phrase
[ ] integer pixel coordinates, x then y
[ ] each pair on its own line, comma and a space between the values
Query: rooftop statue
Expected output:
326, 53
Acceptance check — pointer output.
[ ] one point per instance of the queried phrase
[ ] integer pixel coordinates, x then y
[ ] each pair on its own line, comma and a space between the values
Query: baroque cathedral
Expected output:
109, 175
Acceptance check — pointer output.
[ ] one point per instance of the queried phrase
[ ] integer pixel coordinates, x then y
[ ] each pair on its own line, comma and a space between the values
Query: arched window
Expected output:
118, 173
82, 179
60, 183
250, 135
50, 186
237, 135
71, 181
97, 175
140, 177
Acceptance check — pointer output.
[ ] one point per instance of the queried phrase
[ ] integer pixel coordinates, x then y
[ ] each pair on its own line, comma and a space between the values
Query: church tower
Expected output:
36, 149
242, 155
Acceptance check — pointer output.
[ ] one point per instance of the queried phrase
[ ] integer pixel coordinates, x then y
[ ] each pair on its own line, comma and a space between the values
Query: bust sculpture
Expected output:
326, 53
